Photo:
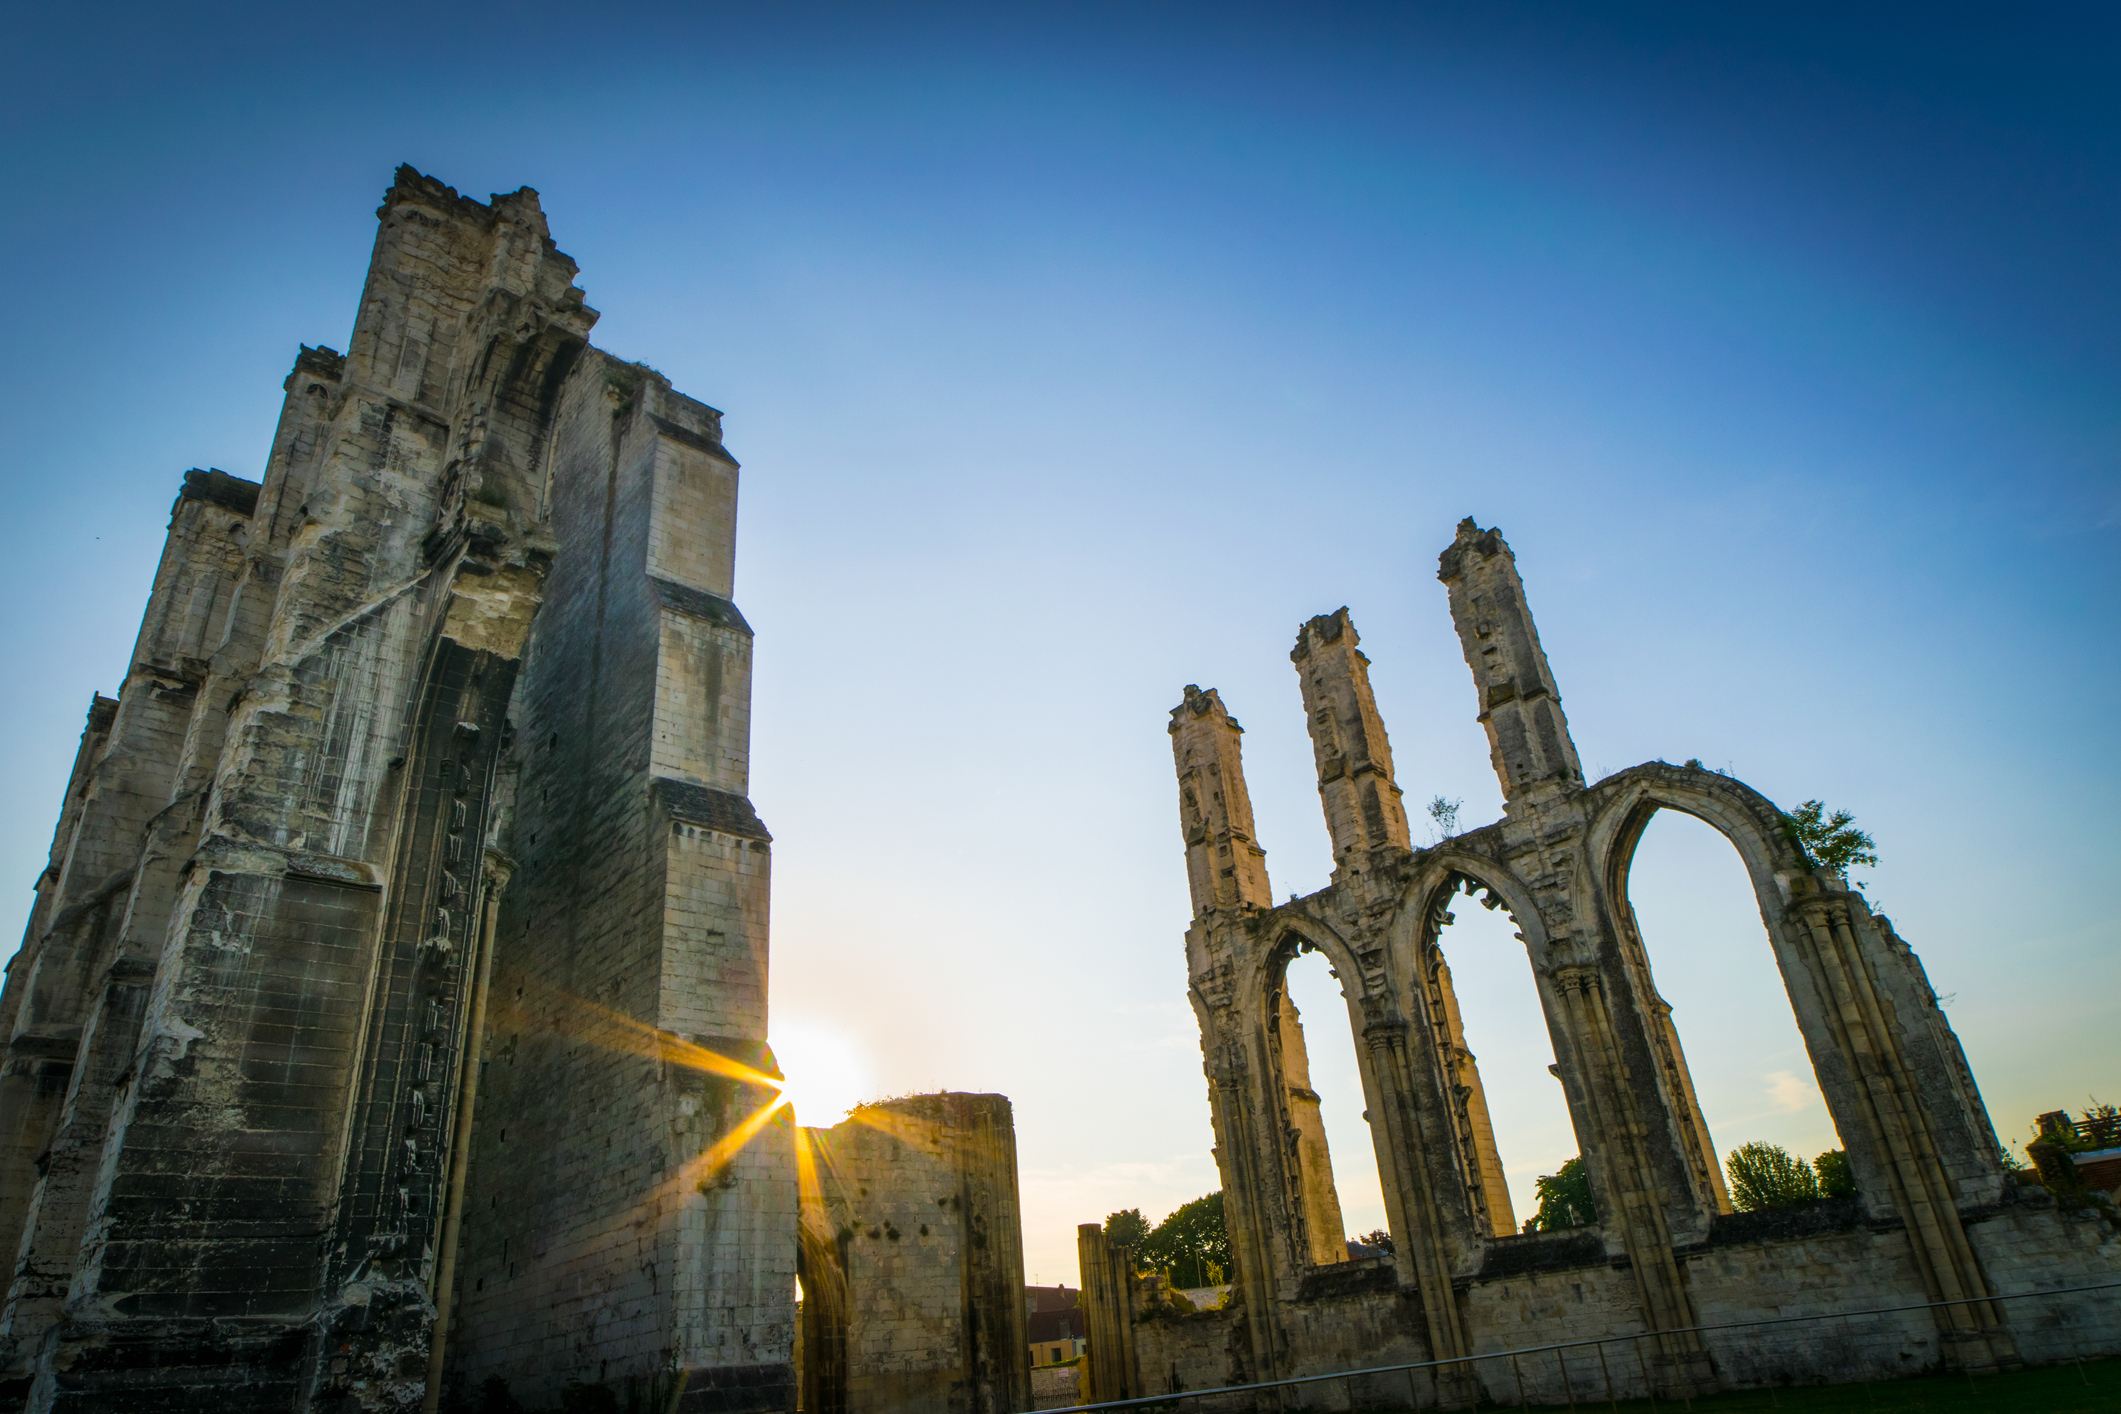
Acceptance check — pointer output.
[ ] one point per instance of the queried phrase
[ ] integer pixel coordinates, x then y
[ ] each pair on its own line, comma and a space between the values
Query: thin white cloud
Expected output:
1788, 1094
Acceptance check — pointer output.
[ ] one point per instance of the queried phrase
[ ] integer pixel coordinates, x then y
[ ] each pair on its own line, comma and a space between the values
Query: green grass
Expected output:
2053, 1389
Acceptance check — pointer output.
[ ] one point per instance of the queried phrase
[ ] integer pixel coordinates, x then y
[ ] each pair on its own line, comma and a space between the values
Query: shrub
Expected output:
1836, 1178
1769, 1176
1564, 1199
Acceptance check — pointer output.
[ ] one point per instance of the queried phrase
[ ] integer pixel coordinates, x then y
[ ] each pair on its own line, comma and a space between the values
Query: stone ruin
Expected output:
391, 1017
1937, 1219
392, 1014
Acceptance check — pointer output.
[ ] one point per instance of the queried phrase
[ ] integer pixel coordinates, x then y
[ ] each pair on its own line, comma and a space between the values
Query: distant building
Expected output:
1059, 1330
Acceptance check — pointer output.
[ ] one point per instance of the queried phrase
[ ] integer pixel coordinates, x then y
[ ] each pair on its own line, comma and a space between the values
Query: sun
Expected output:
827, 1072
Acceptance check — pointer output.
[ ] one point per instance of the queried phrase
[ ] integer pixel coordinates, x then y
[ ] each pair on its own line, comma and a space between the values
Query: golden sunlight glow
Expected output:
827, 1073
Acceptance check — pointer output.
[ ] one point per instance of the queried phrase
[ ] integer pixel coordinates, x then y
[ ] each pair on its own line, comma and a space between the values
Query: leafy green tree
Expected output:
1769, 1176
1127, 1228
1830, 841
1836, 1178
1192, 1245
1564, 1199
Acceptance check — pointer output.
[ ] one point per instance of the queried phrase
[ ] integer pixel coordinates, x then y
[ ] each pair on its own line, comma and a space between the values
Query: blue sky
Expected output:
1075, 353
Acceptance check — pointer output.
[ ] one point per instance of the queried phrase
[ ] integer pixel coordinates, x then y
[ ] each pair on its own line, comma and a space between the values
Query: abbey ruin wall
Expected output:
913, 1262
394, 1003
1667, 1269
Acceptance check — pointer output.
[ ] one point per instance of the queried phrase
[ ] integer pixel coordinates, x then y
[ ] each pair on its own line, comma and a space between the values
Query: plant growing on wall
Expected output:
1445, 814
1192, 1245
1769, 1176
1829, 841
1564, 1199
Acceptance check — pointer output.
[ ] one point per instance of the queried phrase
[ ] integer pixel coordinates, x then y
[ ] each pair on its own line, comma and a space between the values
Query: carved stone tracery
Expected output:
1558, 861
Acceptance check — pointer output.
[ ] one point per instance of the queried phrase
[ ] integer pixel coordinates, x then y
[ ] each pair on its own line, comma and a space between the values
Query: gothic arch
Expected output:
1742, 815
1309, 1191
1753, 826
1449, 875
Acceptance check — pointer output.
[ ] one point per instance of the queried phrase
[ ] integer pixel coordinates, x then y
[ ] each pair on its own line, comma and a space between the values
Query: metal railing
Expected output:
1557, 1348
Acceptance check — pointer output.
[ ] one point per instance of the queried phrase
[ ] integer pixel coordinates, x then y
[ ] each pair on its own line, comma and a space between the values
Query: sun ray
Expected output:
528, 1002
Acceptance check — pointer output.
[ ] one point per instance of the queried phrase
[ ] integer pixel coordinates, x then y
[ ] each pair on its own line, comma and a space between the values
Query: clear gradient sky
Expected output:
1078, 352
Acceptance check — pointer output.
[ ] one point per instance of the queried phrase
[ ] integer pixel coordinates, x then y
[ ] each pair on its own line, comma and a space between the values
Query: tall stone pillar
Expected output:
1111, 1370
1630, 1203
1314, 1201
1362, 802
1429, 1235
1635, 1135
1528, 737
1225, 866
1897, 1134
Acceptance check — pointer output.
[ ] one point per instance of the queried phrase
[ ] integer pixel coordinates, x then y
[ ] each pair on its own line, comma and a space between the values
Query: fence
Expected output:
1596, 1373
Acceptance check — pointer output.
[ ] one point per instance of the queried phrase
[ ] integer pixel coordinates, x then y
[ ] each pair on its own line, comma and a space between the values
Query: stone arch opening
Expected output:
1682, 884
1319, 1097
1471, 963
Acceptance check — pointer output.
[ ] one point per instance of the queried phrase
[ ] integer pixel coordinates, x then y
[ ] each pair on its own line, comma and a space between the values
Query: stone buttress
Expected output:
234, 1114
1935, 1222
913, 1261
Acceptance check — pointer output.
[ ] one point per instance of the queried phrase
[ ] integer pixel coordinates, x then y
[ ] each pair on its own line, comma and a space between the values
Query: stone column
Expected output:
1232, 1101
1891, 1115
1110, 1369
1225, 867
1423, 1230
1528, 737
1314, 1201
1623, 1179
1362, 803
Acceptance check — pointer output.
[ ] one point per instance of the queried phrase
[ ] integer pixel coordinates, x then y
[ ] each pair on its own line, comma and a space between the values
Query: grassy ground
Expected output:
2057, 1389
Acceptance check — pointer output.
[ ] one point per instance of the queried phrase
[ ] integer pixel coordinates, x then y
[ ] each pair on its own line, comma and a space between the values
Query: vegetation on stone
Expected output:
1191, 1246
1564, 1199
1830, 841
1127, 1228
1770, 1176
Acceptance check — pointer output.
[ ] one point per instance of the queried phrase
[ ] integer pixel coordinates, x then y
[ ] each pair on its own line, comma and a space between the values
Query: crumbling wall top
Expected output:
217, 487
1471, 540
414, 187
1201, 704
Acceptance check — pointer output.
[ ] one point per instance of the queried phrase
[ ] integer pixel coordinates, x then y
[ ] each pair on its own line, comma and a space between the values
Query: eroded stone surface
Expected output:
913, 1261
457, 691
1936, 1222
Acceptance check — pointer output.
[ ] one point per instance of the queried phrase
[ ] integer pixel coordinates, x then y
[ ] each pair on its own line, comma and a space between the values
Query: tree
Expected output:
1770, 1176
1127, 1228
1445, 814
1830, 841
1378, 1238
1192, 1245
1564, 1199
1836, 1178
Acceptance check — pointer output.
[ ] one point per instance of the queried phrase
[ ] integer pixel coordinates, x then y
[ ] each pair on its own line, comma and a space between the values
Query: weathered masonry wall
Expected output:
913, 1266
429, 769
640, 913
1937, 1222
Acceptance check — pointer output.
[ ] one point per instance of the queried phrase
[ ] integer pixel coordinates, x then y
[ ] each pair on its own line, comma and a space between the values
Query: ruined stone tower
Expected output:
400, 969
1936, 1228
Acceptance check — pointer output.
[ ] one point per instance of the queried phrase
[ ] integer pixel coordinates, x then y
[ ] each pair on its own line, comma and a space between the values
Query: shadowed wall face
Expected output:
473, 629
1455, 1278
914, 1272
